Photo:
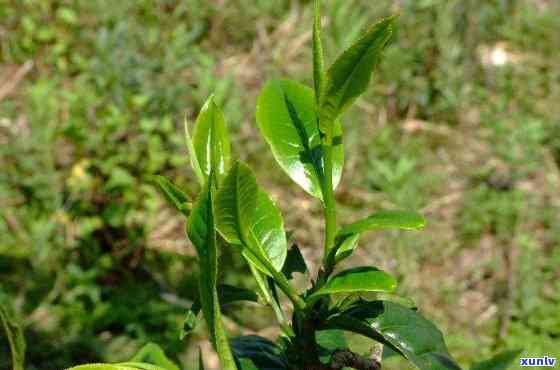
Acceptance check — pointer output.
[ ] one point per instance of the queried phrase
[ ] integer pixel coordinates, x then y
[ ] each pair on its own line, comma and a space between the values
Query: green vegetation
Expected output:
461, 123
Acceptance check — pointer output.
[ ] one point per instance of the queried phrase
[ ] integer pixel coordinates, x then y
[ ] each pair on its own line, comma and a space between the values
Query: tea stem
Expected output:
328, 194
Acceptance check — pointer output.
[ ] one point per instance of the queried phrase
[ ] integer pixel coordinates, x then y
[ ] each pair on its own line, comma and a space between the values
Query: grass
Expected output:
462, 122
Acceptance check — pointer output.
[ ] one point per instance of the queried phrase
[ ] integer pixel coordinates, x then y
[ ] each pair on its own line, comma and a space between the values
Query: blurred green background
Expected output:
462, 122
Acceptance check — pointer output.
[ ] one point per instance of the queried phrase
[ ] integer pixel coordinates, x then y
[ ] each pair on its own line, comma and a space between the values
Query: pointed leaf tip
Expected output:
211, 141
351, 73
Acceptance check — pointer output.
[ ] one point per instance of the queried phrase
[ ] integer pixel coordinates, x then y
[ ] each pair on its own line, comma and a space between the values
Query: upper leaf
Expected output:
402, 329
247, 217
175, 196
348, 236
211, 140
318, 59
358, 279
350, 74
501, 361
288, 121
386, 220
259, 352
201, 231
192, 154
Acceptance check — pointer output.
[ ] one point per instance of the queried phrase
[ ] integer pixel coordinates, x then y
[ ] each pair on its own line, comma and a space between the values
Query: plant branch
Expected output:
344, 358
328, 194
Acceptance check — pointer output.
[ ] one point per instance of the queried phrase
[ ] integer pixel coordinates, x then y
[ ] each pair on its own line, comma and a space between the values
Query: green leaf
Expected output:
260, 352
201, 232
318, 59
15, 336
386, 220
101, 367
350, 74
402, 329
121, 366
211, 140
262, 286
501, 361
142, 366
348, 236
294, 262
175, 196
329, 341
358, 279
192, 154
247, 217
345, 246
288, 121
151, 353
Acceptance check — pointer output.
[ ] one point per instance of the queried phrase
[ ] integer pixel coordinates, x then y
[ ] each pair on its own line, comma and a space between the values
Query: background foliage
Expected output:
462, 123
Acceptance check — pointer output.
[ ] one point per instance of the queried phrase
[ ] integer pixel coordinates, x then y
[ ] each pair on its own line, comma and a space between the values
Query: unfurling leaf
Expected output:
201, 232
288, 121
211, 140
190, 321
318, 59
350, 74
175, 196
345, 246
192, 154
359, 279
247, 217
402, 329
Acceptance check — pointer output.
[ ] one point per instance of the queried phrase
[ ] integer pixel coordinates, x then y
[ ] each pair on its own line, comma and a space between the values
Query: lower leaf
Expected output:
402, 329
259, 353
201, 232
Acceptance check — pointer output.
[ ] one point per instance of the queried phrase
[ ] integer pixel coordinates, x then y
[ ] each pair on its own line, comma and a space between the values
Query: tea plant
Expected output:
303, 128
